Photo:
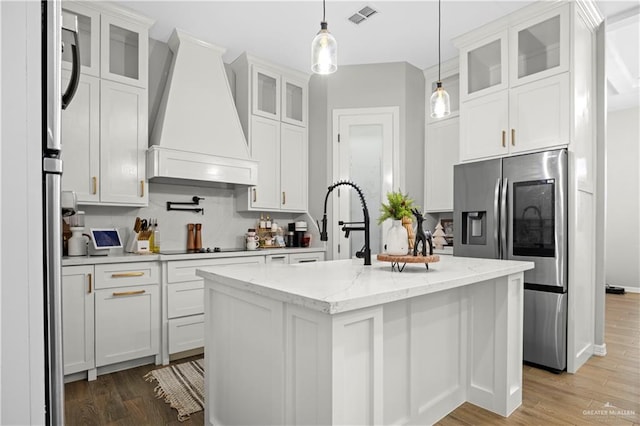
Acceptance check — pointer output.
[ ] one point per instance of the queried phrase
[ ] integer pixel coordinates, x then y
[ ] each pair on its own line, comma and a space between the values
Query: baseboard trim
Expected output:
600, 350
631, 289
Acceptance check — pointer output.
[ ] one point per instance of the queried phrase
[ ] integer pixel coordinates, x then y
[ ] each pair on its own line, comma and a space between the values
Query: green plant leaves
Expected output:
398, 206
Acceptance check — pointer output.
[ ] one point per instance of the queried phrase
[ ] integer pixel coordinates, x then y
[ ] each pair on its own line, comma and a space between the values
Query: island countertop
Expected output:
344, 285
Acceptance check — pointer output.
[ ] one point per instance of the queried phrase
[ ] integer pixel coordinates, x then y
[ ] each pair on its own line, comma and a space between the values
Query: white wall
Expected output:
222, 225
623, 195
21, 269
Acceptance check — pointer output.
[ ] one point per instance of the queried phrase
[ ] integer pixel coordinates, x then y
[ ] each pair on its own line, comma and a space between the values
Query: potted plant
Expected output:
398, 208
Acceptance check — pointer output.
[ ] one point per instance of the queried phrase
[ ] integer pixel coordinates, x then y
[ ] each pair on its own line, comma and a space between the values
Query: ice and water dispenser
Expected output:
474, 225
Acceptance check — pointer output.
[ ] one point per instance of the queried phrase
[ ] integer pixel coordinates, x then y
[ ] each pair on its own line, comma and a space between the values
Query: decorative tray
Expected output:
407, 258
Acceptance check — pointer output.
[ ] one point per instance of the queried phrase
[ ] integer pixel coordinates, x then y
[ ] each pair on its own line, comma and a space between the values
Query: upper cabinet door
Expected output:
294, 101
293, 168
265, 93
484, 66
124, 51
539, 47
88, 39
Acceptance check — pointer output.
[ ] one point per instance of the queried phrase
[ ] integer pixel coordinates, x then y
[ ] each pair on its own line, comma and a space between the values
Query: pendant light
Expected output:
440, 104
324, 49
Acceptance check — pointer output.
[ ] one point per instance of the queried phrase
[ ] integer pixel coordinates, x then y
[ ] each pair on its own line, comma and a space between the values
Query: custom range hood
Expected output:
197, 137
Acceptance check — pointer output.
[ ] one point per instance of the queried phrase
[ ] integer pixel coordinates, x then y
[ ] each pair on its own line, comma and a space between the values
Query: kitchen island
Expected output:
342, 343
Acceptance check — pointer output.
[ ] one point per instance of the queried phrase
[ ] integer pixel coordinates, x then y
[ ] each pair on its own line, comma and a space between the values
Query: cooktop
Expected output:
203, 250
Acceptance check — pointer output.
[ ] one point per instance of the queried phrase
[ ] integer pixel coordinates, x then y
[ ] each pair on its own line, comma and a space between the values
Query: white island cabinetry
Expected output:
342, 343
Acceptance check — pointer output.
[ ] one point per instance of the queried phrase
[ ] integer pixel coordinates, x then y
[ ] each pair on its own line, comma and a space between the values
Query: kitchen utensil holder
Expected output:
195, 202
131, 246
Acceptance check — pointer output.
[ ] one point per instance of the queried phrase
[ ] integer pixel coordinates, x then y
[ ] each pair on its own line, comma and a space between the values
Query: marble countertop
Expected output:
344, 285
132, 257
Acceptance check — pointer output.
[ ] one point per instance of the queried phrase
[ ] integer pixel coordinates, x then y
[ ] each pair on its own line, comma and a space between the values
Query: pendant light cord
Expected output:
323, 12
439, 3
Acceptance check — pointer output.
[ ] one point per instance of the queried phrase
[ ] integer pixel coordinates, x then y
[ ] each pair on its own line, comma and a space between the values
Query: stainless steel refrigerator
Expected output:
53, 101
516, 208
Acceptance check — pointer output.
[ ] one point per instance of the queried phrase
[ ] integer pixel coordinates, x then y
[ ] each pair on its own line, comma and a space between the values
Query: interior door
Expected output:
364, 152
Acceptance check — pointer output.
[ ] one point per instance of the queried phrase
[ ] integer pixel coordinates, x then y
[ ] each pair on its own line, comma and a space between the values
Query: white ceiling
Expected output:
281, 31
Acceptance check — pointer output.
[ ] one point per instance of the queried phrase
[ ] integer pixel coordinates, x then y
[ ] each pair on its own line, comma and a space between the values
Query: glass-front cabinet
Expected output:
266, 93
485, 62
125, 51
539, 47
88, 39
294, 101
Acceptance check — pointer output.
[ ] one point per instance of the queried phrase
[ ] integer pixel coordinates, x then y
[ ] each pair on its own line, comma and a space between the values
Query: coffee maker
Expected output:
69, 206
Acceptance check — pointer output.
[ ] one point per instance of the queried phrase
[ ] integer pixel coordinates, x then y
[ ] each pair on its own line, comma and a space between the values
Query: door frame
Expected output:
333, 168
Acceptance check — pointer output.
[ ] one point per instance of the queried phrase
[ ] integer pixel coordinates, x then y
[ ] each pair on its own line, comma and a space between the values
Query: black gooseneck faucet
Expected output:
347, 227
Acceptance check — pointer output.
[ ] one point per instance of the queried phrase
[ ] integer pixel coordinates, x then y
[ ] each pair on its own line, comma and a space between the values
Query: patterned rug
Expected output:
181, 386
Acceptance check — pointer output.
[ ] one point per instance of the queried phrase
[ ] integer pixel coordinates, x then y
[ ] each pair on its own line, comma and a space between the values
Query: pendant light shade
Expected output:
324, 49
439, 102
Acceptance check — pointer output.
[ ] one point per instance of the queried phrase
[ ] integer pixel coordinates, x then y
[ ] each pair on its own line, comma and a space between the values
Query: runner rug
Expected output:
181, 386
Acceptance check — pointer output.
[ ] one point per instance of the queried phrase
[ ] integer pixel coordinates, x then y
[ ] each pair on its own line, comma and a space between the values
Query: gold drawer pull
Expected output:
513, 137
141, 188
90, 284
128, 293
255, 194
95, 185
504, 137
127, 274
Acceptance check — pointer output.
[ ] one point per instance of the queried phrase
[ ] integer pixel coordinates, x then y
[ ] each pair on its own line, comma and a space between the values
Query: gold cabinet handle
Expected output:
141, 188
255, 194
513, 137
127, 274
284, 198
129, 293
95, 185
504, 137
90, 284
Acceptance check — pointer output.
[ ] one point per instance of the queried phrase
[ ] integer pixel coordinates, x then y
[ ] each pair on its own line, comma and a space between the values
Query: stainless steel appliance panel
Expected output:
476, 209
537, 222
544, 331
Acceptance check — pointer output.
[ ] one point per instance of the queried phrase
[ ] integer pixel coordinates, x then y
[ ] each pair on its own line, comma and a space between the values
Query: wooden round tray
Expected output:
397, 260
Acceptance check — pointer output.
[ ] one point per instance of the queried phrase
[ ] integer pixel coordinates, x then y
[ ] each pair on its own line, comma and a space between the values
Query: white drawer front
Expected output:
126, 274
185, 298
186, 333
185, 270
306, 257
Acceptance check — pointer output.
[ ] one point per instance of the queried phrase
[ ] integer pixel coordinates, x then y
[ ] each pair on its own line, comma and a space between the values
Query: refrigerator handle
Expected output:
496, 200
503, 219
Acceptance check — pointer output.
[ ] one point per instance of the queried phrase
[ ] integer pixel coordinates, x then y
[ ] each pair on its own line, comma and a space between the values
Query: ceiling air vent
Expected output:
362, 15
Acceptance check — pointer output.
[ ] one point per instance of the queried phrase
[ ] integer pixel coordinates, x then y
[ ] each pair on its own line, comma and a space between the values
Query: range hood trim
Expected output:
167, 163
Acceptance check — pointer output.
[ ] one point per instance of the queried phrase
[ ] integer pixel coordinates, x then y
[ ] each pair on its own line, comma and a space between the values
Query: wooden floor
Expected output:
605, 390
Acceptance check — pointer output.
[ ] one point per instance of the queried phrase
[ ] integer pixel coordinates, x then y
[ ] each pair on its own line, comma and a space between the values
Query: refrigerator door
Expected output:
537, 219
53, 278
545, 325
476, 210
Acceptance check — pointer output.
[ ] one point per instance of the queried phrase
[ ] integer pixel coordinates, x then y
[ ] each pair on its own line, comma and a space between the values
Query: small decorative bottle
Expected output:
262, 222
156, 237
268, 223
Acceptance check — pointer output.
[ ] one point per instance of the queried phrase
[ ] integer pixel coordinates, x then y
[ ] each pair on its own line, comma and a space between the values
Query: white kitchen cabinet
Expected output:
539, 47
124, 47
123, 144
528, 111
80, 130
265, 148
78, 319
282, 259
183, 313
484, 66
442, 139
127, 311
104, 130
306, 257
272, 103
441, 154
88, 39
294, 168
